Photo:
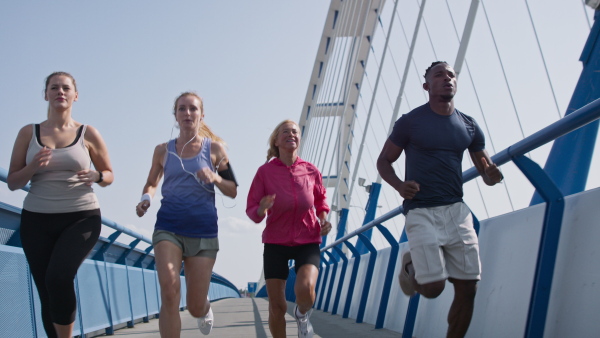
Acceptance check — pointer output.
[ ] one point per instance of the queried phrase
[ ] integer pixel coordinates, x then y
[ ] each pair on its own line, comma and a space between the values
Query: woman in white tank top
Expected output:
60, 221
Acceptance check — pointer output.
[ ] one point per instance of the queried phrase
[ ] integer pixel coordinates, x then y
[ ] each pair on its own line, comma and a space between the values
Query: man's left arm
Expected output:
489, 171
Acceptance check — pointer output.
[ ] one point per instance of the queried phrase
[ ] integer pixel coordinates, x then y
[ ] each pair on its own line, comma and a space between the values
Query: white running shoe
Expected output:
205, 323
305, 328
404, 278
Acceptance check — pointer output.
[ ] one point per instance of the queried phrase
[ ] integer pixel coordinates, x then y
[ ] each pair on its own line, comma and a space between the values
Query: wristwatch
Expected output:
101, 178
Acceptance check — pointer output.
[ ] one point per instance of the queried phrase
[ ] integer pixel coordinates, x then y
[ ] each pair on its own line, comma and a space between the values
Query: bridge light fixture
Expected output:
361, 182
595, 4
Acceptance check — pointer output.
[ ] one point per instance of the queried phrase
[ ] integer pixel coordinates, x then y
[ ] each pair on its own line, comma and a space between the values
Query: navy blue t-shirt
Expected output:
434, 145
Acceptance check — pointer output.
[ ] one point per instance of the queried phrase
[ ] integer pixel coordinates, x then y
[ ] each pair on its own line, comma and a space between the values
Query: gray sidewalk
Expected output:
248, 317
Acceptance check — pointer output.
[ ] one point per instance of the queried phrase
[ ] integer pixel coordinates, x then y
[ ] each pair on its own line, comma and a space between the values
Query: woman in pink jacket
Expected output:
290, 192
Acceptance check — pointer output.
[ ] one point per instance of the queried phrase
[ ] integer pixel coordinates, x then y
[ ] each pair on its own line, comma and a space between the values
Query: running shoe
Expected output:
405, 282
305, 329
205, 323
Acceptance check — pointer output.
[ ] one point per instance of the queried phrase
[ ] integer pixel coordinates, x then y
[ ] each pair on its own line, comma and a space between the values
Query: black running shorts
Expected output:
276, 257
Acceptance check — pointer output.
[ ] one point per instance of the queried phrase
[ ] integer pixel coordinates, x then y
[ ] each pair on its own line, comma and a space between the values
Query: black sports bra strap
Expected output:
39, 139
37, 134
79, 131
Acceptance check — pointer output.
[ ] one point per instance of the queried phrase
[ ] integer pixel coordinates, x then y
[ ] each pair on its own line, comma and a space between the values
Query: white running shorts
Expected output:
443, 243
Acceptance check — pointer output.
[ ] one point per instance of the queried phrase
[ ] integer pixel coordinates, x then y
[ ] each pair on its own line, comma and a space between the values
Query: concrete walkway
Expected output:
248, 317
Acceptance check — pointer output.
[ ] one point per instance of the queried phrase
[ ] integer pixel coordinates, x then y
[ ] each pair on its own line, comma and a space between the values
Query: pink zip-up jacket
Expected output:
299, 193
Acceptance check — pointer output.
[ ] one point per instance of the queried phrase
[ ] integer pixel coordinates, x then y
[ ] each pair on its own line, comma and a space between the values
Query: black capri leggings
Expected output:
55, 245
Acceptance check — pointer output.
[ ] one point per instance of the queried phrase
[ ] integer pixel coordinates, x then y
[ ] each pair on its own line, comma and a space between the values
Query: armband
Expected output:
228, 174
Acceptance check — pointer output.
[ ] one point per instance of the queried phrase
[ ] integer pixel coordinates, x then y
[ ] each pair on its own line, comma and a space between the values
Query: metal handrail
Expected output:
109, 223
577, 119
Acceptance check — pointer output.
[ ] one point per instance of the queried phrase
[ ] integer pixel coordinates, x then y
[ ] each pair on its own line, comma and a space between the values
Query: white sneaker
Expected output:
305, 328
404, 278
205, 323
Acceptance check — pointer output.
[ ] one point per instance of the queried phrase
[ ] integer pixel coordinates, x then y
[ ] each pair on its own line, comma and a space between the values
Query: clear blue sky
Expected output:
249, 60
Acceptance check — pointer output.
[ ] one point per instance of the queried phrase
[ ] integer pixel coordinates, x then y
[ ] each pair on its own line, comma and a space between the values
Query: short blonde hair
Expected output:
273, 150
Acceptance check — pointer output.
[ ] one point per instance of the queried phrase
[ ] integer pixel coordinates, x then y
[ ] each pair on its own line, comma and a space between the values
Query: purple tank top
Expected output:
187, 207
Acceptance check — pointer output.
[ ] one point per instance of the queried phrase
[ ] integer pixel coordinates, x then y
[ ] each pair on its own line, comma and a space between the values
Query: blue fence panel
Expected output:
375, 292
340, 280
138, 293
152, 291
322, 286
37, 308
183, 300
290, 295
93, 296
219, 291
11, 221
332, 280
108, 294
118, 293
15, 295
355, 263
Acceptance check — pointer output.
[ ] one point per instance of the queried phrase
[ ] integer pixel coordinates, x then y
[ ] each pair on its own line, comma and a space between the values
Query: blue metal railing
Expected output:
132, 294
551, 229
577, 119
109, 223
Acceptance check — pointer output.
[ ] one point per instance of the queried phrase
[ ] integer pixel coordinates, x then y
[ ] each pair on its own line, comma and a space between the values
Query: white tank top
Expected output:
55, 188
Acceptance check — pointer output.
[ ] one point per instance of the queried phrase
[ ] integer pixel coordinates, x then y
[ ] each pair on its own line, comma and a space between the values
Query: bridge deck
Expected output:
248, 317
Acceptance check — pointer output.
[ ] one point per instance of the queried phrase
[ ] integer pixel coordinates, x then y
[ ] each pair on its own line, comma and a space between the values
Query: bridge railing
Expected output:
352, 293
117, 286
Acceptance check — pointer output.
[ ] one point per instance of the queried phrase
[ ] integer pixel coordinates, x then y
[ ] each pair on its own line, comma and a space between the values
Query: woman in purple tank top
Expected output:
186, 230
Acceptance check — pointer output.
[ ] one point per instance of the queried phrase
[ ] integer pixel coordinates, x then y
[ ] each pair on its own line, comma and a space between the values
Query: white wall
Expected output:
508, 248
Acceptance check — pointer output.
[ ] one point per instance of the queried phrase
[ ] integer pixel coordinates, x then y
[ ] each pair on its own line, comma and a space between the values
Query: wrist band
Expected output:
146, 197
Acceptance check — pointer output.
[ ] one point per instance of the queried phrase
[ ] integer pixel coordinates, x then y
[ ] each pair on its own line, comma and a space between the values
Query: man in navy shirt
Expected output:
439, 226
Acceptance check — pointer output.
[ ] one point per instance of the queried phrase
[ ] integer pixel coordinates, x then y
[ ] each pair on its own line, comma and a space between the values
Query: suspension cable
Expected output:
512, 100
482, 114
587, 18
351, 63
351, 69
543, 59
327, 94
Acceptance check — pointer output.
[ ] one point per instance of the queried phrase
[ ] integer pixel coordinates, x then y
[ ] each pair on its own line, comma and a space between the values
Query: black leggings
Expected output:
55, 245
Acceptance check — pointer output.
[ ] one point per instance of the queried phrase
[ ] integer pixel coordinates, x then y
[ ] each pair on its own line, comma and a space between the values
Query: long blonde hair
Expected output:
204, 130
273, 150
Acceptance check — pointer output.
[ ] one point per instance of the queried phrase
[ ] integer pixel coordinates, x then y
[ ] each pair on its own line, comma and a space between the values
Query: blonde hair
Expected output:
204, 130
273, 150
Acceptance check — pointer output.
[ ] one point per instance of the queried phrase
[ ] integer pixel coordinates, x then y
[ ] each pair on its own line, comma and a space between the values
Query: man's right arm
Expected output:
390, 154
